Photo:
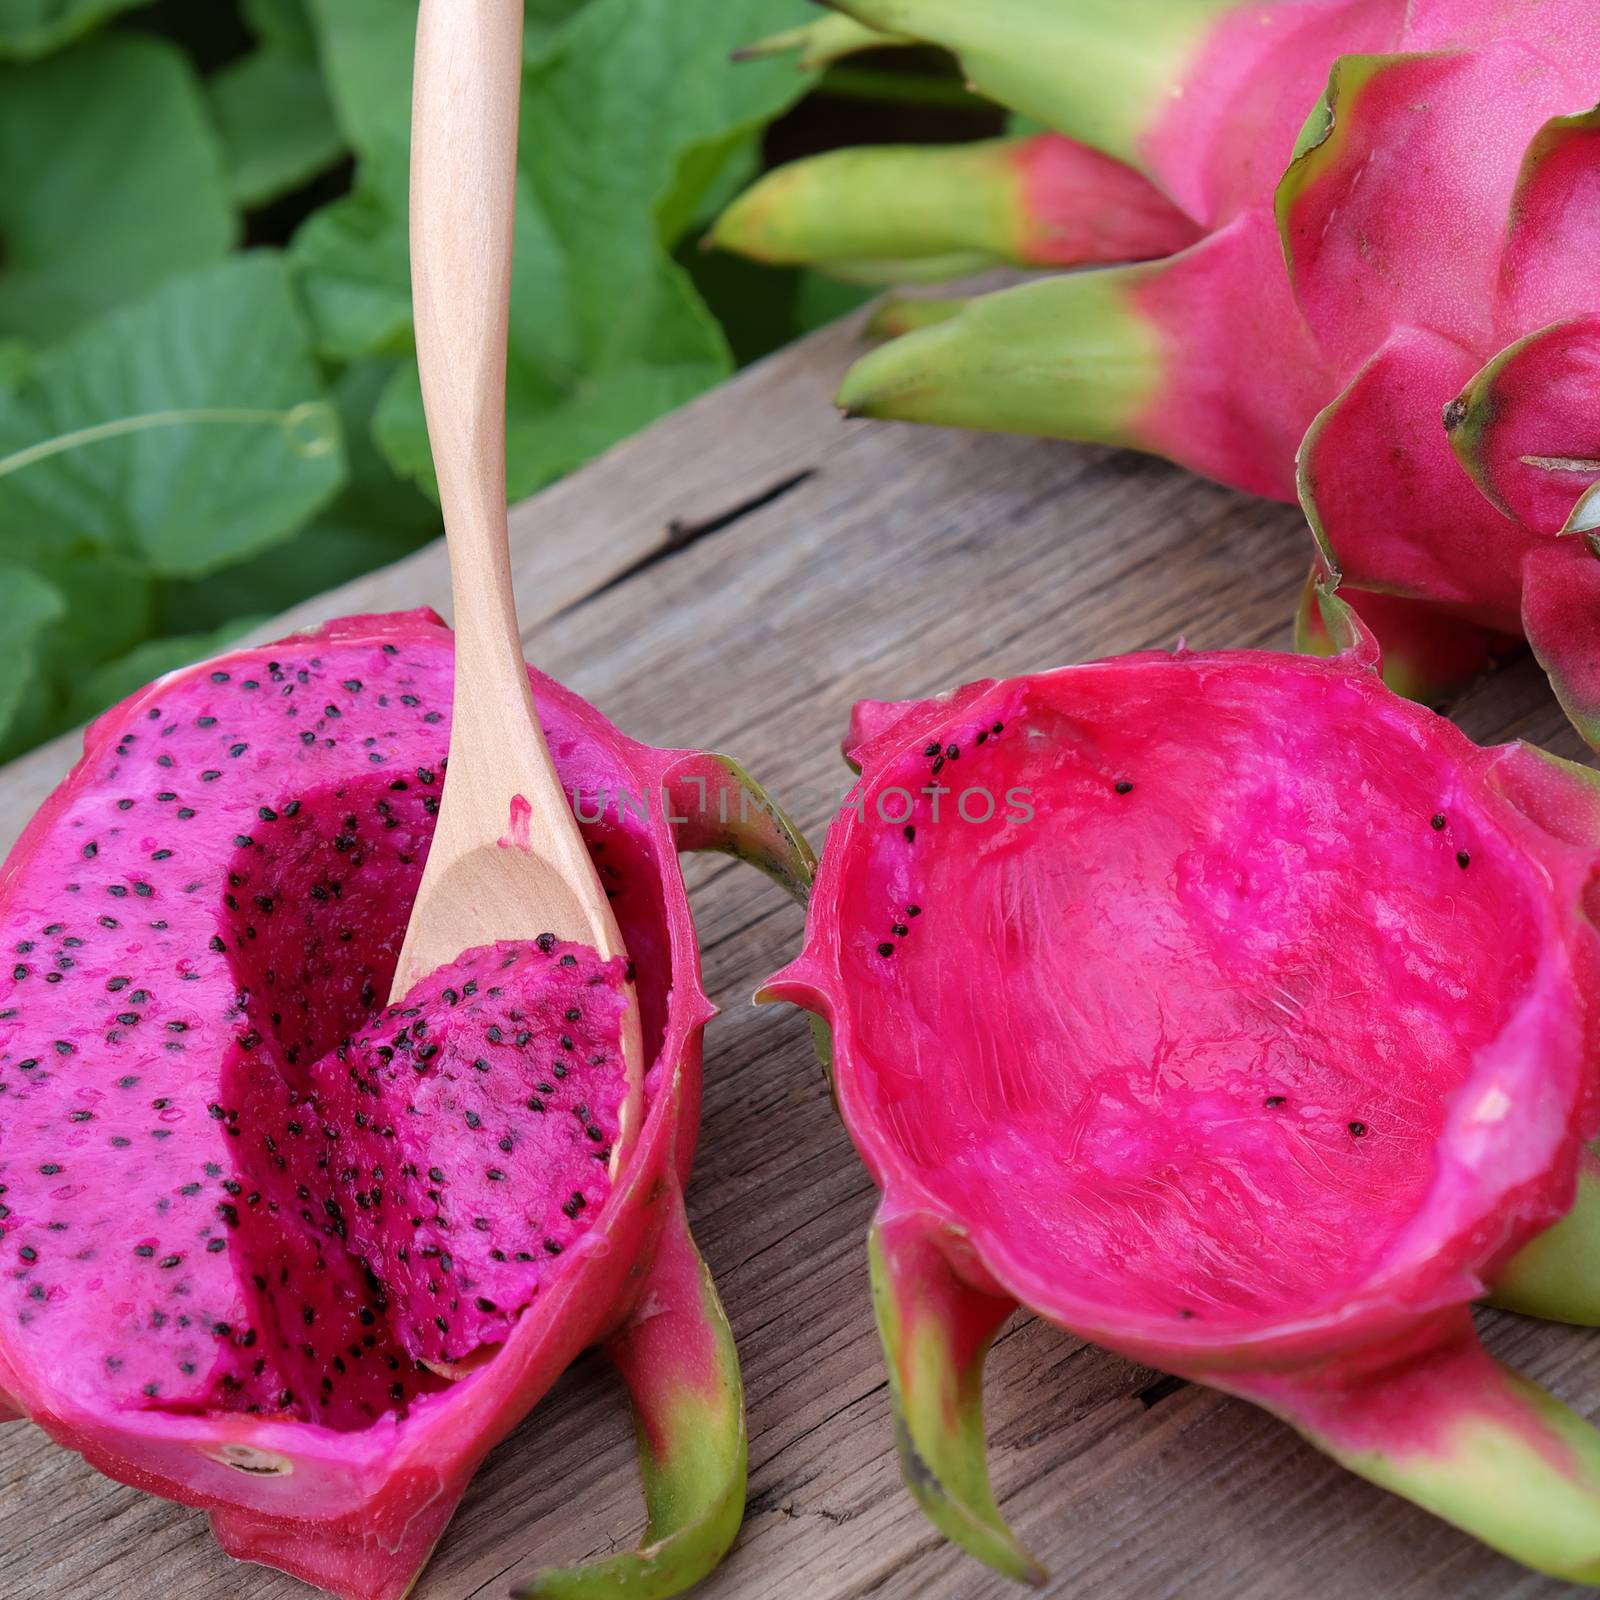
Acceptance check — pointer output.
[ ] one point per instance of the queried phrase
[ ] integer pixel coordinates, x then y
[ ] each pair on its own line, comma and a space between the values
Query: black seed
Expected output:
885, 949
1438, 821
1358, 1130
1463, 860
1273, 1101
1123, 786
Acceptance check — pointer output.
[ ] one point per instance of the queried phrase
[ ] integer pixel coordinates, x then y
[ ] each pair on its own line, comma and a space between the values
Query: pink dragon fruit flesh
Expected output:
1238, 1014
270, 1248
1360, 233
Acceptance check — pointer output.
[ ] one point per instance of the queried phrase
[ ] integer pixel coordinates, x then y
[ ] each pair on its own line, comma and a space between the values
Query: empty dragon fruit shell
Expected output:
1235, 1013
270, 1249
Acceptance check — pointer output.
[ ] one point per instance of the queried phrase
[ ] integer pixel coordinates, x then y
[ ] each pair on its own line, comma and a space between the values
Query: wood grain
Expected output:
902, 561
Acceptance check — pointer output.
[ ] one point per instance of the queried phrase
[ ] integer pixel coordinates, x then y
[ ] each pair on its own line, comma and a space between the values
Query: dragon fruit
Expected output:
1303, 986
272, 1249
1418, 247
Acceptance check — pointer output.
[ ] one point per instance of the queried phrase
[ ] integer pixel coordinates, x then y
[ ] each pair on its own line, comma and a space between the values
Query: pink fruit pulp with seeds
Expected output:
1231, 1011
193, 923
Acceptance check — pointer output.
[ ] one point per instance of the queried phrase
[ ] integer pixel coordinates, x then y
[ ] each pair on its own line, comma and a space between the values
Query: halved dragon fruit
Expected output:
1238, 1014
273, 1250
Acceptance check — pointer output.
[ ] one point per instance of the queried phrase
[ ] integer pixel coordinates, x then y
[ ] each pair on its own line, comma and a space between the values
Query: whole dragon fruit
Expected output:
270, 1249
1238, 1014
1406, 272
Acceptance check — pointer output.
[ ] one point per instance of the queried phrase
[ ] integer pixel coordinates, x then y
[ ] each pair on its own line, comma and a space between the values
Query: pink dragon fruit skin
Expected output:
1361, 275
206, 906
1233, 1012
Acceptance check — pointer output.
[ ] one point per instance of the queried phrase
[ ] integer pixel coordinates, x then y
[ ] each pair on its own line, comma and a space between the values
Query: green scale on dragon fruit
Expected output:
1356, 235
274, 1249
1238, 1014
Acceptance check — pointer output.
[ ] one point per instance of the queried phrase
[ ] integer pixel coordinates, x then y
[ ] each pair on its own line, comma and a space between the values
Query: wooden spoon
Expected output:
507, 860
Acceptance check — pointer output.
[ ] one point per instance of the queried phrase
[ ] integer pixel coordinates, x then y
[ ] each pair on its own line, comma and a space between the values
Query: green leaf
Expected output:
108, 610
282, 25
544, 19
355, 275
181, 495
30, 28
376, 520
117, 679
276, 124
32, 605
15, 359
630, 116
111, 181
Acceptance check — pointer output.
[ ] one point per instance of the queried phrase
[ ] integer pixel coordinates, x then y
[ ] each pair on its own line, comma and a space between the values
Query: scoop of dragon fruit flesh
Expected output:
277, 1251
1236, 1013
1389, 198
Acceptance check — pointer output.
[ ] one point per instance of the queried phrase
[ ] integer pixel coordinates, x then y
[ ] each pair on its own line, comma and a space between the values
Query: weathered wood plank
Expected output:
903, 561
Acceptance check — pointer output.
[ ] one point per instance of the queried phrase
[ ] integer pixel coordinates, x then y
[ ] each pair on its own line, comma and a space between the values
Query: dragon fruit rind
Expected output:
273, 1250
1384, 304
1235, 1013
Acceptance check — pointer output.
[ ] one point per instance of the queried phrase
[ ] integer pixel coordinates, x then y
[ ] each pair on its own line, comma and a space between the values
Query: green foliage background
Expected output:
208, 399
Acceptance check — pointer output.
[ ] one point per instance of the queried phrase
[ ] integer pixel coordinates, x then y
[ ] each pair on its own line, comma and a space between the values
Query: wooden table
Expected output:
734, 578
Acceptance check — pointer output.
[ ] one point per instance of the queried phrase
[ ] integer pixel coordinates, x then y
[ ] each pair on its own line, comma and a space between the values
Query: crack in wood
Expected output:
1154, 1393
681, 535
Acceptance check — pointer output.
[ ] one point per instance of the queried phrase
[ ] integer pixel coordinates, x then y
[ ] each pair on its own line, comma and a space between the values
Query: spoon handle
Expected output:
463, 184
